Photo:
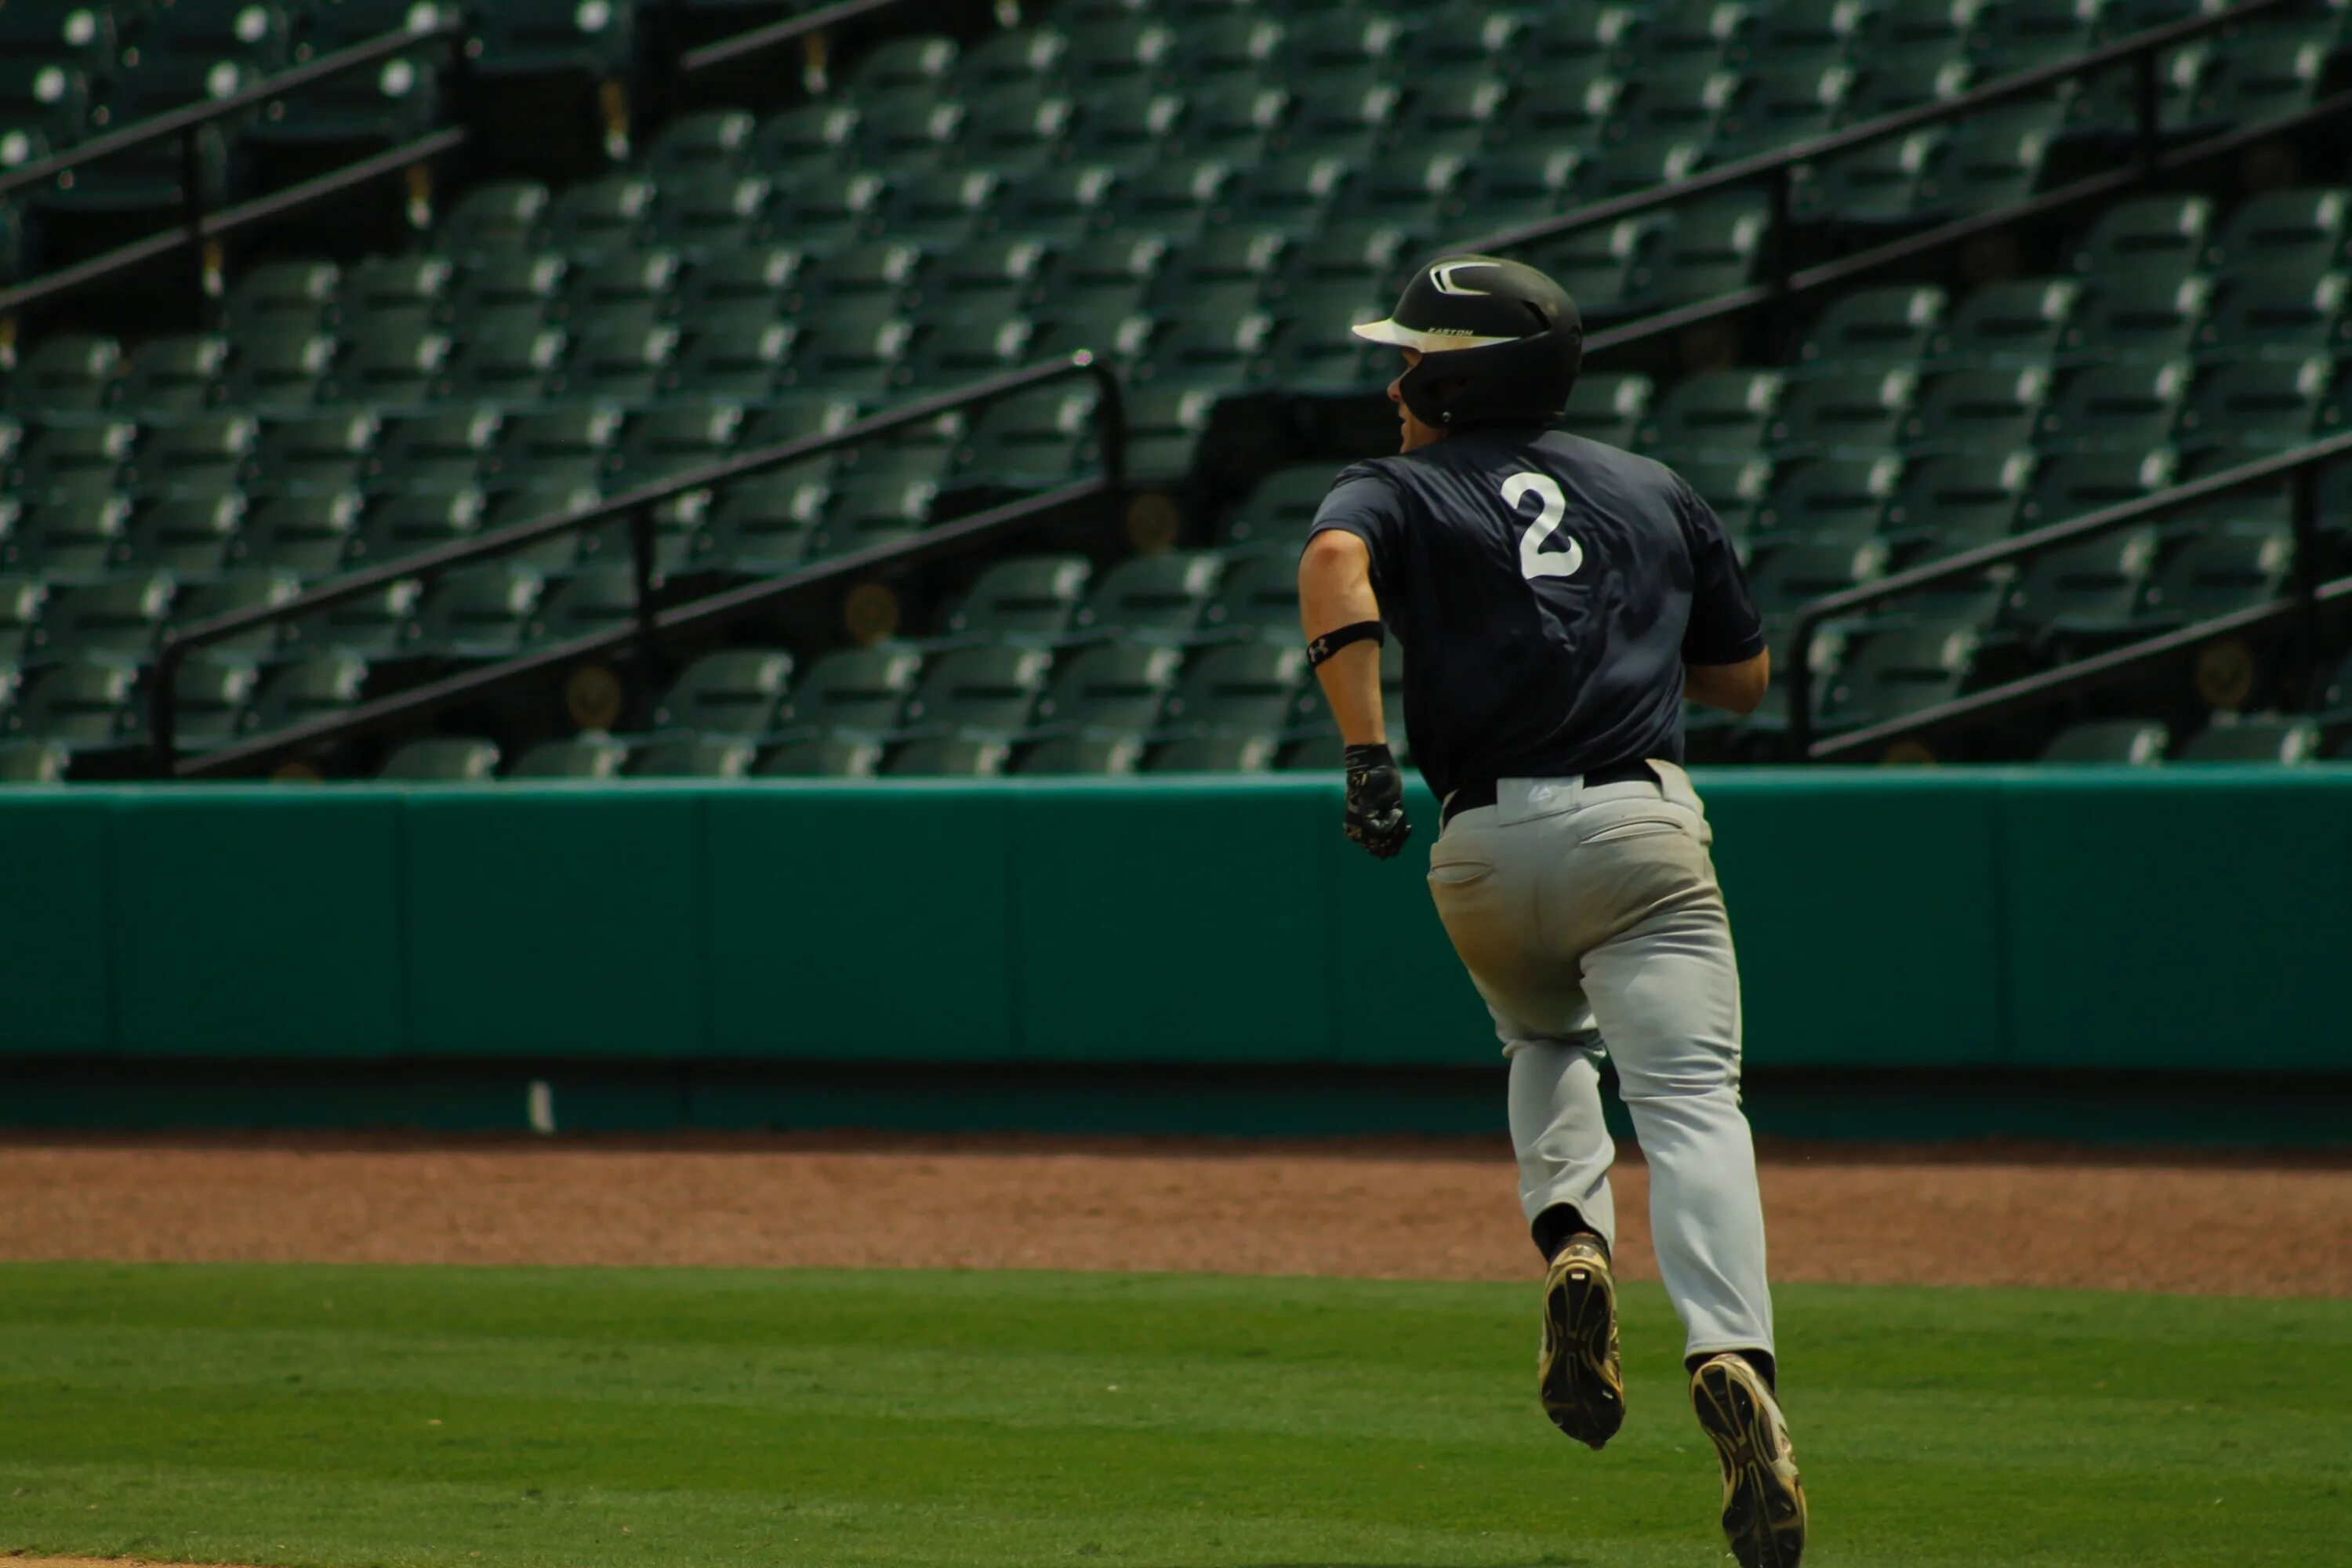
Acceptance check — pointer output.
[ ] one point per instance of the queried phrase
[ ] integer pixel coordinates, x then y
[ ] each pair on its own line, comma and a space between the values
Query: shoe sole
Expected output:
1582, 1393
1764, 1513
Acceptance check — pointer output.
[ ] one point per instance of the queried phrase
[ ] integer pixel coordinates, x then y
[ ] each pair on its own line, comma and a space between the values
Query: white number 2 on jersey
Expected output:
1535, 561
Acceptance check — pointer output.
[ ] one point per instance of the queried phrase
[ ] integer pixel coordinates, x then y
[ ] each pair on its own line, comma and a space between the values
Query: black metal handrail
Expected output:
760, 40
2142, 48
637, 505
196, 227
2298, 467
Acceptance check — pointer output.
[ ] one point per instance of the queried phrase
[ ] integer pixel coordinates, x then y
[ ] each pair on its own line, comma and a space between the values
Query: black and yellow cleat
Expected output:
1578, 1374
1763, 1501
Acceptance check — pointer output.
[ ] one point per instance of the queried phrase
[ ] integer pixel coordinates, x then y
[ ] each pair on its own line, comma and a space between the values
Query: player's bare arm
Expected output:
1734, 687
1335, 591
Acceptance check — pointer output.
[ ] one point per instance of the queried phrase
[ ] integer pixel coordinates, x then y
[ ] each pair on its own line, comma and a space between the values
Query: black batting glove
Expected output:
1376, 801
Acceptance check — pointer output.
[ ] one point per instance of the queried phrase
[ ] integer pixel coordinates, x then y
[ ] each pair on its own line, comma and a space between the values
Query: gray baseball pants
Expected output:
1590, 920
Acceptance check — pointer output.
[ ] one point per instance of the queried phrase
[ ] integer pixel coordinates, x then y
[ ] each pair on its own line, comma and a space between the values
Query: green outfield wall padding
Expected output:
566, 921
56, 951
256, 923
2190, 919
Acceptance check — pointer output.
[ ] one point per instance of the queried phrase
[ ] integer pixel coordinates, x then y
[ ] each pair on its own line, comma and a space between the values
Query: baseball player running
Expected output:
1557, 600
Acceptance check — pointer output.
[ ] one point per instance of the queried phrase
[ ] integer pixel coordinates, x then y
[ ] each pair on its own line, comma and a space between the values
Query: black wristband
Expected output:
1371, 754
1330, 643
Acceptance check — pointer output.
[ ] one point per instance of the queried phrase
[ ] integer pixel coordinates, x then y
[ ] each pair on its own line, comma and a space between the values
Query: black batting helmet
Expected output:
1500, 343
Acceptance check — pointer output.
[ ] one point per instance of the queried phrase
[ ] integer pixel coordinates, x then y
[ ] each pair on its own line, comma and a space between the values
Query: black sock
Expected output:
1760, 1360
1560, 1225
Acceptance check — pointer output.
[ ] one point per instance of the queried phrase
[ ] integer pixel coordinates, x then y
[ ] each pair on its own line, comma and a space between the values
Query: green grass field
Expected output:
355, 1416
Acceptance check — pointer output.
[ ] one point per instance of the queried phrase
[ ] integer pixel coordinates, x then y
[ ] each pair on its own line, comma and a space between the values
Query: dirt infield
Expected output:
1976, 1215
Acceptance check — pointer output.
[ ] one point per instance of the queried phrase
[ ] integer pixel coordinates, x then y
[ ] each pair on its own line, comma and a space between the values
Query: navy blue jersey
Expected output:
1548, 591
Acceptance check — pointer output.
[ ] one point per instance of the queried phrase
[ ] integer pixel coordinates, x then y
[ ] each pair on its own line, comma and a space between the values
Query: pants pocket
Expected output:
1636, 827
1459, 873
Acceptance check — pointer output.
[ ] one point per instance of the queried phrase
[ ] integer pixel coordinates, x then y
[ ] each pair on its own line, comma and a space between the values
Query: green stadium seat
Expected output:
1259, 597
2084, 482
734, 693
1105, 756
991, 691
991, 278
1168, 419
1283, 504
86, 37
512, 365
1295, 193
631, 289
1605, 269
393, 365
1996, 159
1458, 35
1842, 499
86, 704
1724, 411
1989, 411
1052, 205
296, 295
519, 39
592, 757
1733, 484
496, 216
1313, 347
1171, 200
1116, 689
2024, 322
856, 347
1793, 99
1029, 439
1153, 596
231, 594
2130, 406
2306, 228
193, 536
1688, 100
1901, 671
1841, 414
1032, 597
1786, 576
2261, 405
2253, 738
177, 374
737, 351
626, 363
676, 438
90, 456
1122, 50
765, 527
212, 699
809, 140
47, 101
1454, 115
2090, 589
2221, 570
447, 450
703, 142
68, 372
957, 353
596, 216
941, 208
1716, 247
313, 452
899, 133
1017, 128
593, 599
311, 536
480, 612
2146, 234
202, 454
860, 690
1957, 502
359, 110
442, 759
119, 619
1639, 162
1252, 687
2286, 311
699, 758
1522, 183
557, 448
1570, 36
1018, 57
2138, 742
1235, 122
1228, 751
381, 623
1885, 181
825, 756
22, 598
1128, 128
2265, 78
275, 368
76, 538
27, 763
2152, 315
916, 63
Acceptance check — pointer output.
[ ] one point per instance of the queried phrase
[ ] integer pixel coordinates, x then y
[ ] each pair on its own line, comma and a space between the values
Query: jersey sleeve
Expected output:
1368, 507
1724, 625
